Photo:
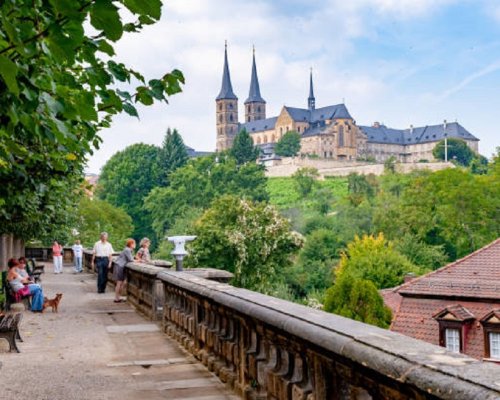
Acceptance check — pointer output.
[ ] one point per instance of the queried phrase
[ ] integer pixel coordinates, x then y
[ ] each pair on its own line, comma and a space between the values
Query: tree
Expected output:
59, 85
198, 183
288, 145
243, 149
305, 179
357, 299
125, 181
173, 155
361, 187
96, 216
458, 150
421, 254
374, 258
251, 240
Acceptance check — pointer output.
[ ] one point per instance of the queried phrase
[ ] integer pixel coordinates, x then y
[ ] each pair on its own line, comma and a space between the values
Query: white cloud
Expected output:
289, 39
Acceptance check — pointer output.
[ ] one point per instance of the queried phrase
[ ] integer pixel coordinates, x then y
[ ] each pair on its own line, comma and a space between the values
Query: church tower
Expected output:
311, 101
226, 113
255, 105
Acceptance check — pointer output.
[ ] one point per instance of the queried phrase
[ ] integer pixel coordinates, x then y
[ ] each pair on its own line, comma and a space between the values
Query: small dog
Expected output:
53, 303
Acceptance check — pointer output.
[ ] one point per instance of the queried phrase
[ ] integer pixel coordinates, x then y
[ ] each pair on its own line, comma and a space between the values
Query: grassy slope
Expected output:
283, 194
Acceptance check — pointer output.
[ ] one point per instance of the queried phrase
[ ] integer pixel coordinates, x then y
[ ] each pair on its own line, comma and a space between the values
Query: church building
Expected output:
327, 132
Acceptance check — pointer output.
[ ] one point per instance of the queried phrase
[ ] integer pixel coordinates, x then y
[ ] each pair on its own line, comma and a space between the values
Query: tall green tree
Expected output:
305, 179
288, 145
357, 299
96, 216
252, 240
375, 259
198, 183
173, 155
126, 180
60, 84
458, 151
243, 149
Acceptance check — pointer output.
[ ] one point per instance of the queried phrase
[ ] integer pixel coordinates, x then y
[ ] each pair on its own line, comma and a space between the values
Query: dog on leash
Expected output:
53, 303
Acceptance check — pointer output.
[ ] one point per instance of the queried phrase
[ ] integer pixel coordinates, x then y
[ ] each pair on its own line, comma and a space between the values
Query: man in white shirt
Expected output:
77, 255
103, 257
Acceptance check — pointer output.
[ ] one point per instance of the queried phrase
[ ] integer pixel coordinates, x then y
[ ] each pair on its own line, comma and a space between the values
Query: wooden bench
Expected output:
35, 270
10, 296
9, 329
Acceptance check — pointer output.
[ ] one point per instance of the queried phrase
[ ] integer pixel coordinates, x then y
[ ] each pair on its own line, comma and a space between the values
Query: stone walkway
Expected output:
96, 349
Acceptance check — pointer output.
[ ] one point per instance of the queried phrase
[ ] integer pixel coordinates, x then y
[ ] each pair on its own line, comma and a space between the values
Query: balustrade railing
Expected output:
266, 348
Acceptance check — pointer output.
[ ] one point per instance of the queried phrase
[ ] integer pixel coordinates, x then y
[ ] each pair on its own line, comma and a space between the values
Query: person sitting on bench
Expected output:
21, 269
22, 287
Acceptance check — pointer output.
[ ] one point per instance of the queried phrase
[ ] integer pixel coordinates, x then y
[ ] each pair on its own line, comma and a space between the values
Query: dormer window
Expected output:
491, 328
453, 323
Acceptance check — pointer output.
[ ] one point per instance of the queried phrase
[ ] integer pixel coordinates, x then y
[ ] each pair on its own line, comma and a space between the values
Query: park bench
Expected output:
10, 296
9, 329
35, 270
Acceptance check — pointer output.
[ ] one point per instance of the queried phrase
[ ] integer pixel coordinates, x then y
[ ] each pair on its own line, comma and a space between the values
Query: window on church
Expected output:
258, 109
264, 140
231, 117
249, 109
230, 106
220, 119
220, 107
248, 119
281, 131
341, 136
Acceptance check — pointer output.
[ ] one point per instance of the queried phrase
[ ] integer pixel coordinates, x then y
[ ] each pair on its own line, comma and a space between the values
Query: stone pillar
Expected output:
6, 250
17, 248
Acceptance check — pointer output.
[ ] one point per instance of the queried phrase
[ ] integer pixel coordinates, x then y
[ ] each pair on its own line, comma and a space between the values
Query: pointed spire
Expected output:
226, 91
311, 102
254, 94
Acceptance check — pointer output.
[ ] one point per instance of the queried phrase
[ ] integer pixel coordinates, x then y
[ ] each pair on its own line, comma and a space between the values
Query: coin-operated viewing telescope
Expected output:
179, 251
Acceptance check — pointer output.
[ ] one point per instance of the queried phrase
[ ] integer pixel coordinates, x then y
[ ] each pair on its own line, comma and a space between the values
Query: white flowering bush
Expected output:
250, 239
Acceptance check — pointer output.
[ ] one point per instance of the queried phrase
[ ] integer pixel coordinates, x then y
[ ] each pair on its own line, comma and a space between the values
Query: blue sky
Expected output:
400, 62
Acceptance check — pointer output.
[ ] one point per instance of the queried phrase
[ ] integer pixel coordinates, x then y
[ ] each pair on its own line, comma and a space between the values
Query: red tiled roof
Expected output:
474, 276
458, 311
468, 288
415, 319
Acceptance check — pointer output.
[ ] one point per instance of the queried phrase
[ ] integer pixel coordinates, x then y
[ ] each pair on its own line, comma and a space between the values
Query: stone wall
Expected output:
289, 166
267, 348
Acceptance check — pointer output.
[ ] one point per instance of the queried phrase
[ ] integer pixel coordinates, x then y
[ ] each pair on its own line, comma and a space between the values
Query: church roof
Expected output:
429, 133
254, 94
226, 90
319, 114
259, 125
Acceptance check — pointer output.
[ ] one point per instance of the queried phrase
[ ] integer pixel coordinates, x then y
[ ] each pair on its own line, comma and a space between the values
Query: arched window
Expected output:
281, 131
341, 136
258, 109
298, 129
273, 138
287, 129
220, 119
230, 106
231, 117
220, 106
249, 109
264, 139
248, 119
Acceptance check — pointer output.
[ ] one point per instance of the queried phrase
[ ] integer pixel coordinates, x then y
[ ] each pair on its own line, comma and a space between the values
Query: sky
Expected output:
398, 62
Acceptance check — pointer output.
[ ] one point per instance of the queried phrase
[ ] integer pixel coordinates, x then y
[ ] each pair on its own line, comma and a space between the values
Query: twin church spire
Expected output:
255, 105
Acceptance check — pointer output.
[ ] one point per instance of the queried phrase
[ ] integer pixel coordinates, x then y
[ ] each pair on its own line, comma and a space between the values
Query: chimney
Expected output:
376, 124
409, 277
444, 125
411, 129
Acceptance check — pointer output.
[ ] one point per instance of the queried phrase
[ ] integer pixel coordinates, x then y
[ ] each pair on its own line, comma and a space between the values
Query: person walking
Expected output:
119, 269
57, 250
77, 255
103, 257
